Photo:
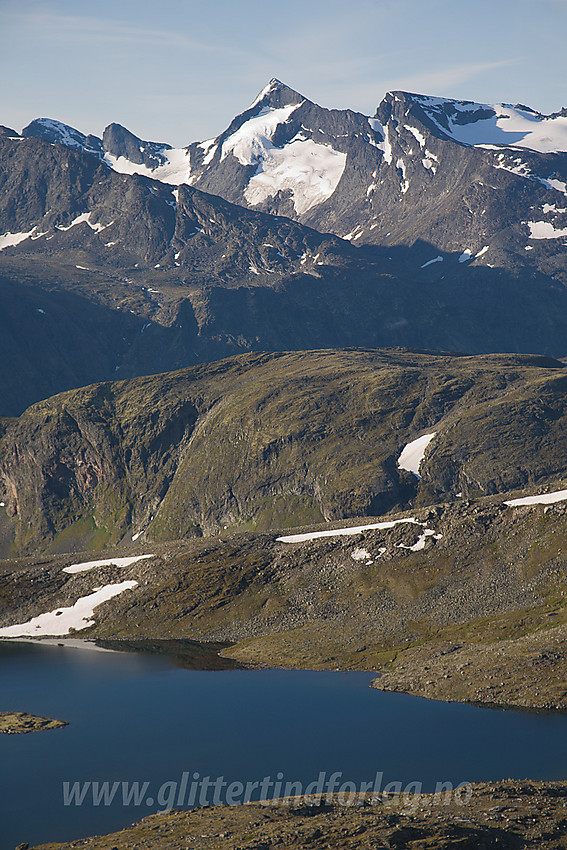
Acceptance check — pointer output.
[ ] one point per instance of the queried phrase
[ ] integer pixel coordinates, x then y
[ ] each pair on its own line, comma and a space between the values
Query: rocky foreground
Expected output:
504, 815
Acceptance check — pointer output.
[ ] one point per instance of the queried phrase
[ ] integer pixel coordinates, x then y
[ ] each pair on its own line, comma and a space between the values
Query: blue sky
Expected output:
179, 70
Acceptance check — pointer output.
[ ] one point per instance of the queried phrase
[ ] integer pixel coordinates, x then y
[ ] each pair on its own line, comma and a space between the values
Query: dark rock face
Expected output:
402, 176
119, 141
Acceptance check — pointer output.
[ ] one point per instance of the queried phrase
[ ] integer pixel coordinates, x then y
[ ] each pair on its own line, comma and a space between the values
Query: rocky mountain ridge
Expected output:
274, 440
423, 167
113, 275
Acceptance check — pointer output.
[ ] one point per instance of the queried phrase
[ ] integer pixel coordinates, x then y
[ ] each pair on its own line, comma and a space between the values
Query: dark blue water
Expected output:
138, 718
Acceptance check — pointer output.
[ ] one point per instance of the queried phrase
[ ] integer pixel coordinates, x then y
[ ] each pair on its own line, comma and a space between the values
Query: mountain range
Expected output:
435, 224
345, 173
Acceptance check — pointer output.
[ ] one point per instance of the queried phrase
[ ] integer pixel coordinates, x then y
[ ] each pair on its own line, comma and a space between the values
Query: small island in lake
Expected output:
16, 722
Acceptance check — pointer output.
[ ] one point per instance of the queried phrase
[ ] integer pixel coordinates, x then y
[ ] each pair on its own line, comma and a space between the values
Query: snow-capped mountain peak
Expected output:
277, 150
499, 125
274, 93
128, 154
371, 180
58, 133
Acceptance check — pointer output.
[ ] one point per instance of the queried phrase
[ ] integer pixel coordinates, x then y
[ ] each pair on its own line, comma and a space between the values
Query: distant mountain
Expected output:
274, 440
120, 149
114, 261
486, 181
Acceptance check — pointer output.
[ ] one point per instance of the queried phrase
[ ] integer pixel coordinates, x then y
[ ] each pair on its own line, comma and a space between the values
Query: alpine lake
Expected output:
186, 725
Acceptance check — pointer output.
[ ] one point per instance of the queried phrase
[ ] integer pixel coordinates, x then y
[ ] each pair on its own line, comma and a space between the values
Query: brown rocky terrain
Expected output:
505, 815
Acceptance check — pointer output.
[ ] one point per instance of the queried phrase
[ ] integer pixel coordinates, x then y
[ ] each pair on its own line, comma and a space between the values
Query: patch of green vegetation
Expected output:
284, 511
551, 543
513, 624
314, 646
83, 534
318, 646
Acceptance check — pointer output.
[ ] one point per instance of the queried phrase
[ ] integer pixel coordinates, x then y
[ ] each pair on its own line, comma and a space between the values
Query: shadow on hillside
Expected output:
372, 297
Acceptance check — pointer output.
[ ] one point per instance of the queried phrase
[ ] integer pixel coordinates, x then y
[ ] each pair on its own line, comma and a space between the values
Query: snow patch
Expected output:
175, 171
310, 171
360, 555
558, 185
415, 132
8, 240
354, 234
209, 149
376, 125
62, 620
544, 499
386, 147
430, 161
412, 454
497, 125
545, 230
85, 217
522, 170
547, 208
404, 185
107, 562
438, 259
421, 542
340, 532
253, 138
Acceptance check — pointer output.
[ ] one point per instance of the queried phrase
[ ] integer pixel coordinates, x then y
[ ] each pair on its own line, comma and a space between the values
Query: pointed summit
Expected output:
276, 94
